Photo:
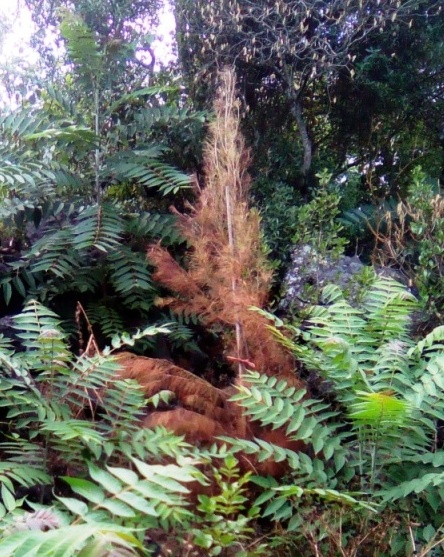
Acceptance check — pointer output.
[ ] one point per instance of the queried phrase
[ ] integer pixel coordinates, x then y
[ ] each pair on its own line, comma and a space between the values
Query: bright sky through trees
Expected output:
16, 27
16, 30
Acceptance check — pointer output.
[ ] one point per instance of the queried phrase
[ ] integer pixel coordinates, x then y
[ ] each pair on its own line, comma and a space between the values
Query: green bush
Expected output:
387, 388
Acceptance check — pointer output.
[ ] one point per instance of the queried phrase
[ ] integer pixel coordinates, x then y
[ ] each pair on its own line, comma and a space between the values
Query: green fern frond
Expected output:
82, 46
392, 367
24, 186
85, 279
15, 473
55, 97
23, 464
33, 321
105, 317
273, 403
68, 541
166, 178
146, 91
70, 133
285, 501
380, 410
149, 117
87, 373
154, 443
389, 306
24, 174
183, 318
20, 121
100, 227
30, 126
433, 341
155, 226
129, 271
122, 403
57, 257
67, 180
146, 169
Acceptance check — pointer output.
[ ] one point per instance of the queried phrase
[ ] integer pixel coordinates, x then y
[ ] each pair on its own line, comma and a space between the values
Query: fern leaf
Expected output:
100, 227
380, 410
67, 541
106, 317
145, 169
389, 306
146, 91
129, 271
149, 117
155, 226
82, 46
33, 320
20, 121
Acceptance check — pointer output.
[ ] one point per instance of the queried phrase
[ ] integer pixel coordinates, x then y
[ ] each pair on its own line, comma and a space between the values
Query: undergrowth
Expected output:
80, 477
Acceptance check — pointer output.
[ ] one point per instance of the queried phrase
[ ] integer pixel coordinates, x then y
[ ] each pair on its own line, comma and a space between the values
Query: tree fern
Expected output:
65, 161
101, 449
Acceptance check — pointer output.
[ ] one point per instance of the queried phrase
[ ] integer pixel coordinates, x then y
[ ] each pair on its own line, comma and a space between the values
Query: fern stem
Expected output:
97, 152
361, 457
238, 328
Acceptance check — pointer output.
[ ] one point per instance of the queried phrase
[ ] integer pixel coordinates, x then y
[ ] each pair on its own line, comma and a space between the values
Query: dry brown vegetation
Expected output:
226, 273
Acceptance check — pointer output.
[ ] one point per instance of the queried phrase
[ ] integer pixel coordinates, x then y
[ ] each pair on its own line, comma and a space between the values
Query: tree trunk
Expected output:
296, 110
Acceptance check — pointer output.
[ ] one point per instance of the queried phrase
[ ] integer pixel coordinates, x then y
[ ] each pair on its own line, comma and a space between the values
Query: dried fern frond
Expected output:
191, 392
227, 271
203, 412
194, 426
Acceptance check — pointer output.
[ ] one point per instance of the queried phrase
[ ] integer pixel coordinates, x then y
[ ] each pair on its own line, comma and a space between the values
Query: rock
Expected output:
310, 272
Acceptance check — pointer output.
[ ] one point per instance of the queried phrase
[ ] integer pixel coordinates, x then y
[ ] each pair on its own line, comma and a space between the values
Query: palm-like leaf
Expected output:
381, 410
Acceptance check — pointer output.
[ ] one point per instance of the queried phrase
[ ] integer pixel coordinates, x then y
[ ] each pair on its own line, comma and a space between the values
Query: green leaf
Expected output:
8, 499
138, 503
428, 533
126, 476
275, 506
118, 508
86, 489
106, 480
76, 507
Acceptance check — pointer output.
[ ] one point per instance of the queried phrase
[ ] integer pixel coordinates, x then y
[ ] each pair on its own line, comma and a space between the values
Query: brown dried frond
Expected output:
268, 354
169, 273
203, 412
195, 427
192, 392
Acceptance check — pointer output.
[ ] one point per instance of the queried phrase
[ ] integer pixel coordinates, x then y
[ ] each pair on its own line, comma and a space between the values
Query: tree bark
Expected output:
296, 110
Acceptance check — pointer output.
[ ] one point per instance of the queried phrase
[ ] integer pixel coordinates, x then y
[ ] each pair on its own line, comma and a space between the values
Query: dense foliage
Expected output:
383, 411
327, 439
85, 184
